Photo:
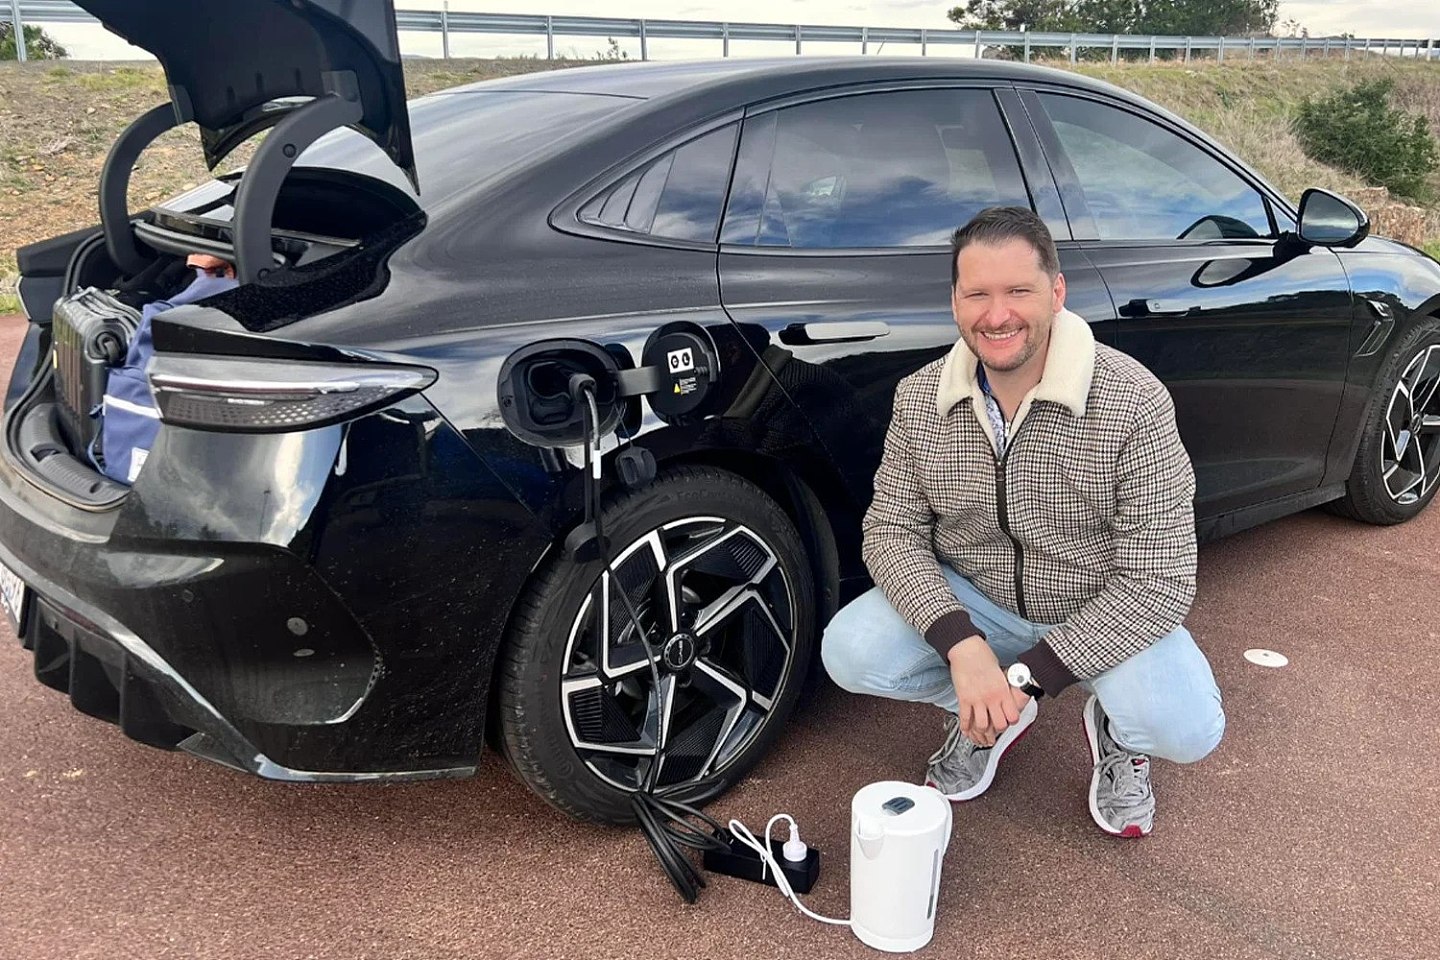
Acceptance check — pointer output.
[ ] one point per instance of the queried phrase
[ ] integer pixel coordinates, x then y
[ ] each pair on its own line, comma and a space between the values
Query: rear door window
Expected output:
895, 169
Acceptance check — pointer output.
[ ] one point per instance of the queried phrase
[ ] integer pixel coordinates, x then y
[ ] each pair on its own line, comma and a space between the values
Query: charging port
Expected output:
534, 392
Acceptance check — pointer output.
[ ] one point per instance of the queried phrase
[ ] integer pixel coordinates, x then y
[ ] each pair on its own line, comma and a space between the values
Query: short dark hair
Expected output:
996, 225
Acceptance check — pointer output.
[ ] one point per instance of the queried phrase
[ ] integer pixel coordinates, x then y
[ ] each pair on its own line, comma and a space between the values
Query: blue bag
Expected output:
129, 419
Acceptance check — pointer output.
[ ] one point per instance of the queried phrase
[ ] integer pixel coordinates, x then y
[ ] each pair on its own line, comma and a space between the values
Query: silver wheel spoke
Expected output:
1420, 379
613, 609
676, 568
726, 685
1399, 481
725, 545
644, 746
760, 670
625, 660
657, 720
1430, 465
723, 608
1397, 418
1430, 423
733, 712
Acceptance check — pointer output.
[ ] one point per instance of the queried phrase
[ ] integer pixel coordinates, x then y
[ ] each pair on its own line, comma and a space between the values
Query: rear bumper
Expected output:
111, 674
315, 606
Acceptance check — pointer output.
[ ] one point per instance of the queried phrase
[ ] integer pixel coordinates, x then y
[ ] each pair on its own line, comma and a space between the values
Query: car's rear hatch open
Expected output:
305, 67
224, 62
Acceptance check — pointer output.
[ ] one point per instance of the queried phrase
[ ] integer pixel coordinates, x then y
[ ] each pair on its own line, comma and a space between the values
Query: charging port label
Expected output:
681, 360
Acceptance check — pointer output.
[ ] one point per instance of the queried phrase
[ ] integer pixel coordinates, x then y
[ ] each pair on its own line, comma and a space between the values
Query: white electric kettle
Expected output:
898, 836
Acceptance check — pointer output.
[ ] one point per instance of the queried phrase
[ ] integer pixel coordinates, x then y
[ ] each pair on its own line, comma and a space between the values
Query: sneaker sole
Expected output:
1131, 831
1008, 739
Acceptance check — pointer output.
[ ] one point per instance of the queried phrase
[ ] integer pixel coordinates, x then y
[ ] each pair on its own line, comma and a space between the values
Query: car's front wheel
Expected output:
1397, 466
721, 585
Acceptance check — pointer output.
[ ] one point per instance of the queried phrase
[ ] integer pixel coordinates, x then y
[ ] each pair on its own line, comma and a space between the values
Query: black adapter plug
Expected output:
739, 860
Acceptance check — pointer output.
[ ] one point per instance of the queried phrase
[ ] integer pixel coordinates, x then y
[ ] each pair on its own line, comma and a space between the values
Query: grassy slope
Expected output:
58, 120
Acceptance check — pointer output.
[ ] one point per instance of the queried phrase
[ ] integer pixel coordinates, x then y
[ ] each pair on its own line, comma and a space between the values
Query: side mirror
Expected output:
1329, 220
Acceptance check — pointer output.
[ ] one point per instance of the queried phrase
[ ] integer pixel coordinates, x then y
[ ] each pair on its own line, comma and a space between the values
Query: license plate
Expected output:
12, 595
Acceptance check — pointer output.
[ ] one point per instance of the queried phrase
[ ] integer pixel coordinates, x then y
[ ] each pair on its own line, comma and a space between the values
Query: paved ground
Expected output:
1311, 832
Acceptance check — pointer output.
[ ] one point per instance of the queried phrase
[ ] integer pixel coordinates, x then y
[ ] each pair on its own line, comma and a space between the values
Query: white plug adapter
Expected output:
795, 849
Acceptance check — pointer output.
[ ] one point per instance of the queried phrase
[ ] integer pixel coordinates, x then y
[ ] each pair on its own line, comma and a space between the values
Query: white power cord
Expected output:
793, 846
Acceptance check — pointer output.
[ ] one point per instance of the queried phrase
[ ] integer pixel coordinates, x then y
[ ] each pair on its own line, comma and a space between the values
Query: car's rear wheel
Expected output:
720, 582
1397, 466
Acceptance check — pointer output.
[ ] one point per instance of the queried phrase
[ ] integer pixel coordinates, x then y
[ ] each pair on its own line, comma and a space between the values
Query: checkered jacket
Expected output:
1087, 522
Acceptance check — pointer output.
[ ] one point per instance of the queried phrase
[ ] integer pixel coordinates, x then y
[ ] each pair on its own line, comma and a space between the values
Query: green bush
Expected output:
38, 44
1357, 130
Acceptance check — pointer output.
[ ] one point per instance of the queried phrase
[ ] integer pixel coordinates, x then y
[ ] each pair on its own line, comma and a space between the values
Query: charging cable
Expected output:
794, 850
663, 820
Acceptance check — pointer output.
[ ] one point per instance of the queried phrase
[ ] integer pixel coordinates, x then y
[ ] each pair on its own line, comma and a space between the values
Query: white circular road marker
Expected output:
1266, 658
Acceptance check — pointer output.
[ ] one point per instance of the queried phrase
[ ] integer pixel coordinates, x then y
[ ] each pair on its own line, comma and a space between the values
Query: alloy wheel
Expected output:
1410, 452
718, 612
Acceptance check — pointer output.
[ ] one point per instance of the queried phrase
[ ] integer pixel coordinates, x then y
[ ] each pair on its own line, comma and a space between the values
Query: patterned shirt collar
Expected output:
992, 410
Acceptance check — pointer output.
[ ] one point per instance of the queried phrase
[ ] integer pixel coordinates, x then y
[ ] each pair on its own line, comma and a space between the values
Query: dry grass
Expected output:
58, 121
1250, 107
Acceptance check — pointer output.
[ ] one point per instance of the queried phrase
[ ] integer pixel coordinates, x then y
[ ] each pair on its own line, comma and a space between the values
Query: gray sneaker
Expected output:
1121, 800
960, 769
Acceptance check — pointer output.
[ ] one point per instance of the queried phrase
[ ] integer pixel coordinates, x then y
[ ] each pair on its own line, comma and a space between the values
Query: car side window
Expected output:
897, 169
676, 196
1143, 182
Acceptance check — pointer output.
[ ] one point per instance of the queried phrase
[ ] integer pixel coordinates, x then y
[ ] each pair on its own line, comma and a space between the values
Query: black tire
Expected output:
555, 637
1368, 497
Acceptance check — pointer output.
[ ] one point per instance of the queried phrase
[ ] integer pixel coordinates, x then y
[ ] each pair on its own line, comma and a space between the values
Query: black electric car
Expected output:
351, 552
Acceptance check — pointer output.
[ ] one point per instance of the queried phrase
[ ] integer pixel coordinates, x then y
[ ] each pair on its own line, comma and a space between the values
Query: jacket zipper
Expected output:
1004, 518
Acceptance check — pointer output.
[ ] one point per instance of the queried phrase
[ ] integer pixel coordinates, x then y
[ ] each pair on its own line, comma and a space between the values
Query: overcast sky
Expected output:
1364, 18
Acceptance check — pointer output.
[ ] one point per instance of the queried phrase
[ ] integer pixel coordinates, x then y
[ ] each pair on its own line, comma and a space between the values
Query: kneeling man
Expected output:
1033, 527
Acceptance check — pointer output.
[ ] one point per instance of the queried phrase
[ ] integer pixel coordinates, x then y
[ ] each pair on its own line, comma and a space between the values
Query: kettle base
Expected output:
892, 944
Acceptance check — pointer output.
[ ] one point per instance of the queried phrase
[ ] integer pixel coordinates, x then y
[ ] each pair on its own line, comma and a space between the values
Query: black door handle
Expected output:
842, 331
1140, 307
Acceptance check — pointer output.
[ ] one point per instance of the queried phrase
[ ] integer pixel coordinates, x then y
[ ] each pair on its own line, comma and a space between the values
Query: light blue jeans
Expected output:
1162, 702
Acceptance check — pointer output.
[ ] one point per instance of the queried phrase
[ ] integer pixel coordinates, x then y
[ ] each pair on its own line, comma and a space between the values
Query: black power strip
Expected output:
742, 861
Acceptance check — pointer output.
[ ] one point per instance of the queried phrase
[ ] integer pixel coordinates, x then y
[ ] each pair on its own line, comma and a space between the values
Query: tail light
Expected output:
274, 396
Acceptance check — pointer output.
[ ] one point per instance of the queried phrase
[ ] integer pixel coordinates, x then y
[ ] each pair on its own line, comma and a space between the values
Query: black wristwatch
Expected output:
1020, 678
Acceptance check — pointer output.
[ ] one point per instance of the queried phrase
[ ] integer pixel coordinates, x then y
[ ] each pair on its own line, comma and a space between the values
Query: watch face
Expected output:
1018, 675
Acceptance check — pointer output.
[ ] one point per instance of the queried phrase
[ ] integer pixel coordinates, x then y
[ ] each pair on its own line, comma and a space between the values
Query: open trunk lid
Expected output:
225, 62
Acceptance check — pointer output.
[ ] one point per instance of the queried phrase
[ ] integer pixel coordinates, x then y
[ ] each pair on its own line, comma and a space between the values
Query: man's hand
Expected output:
988, 704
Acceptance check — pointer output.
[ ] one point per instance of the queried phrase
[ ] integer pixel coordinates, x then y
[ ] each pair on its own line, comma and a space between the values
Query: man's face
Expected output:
1005, 303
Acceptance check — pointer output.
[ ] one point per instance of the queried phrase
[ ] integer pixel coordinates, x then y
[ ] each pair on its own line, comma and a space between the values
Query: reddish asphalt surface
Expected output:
1310, 832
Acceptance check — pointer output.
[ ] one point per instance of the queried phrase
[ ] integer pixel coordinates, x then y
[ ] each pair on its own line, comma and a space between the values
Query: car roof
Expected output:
671, 96
779, 75
708, 85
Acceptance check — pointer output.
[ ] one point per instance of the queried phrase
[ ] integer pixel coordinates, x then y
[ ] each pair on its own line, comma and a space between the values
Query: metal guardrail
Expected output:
445, 22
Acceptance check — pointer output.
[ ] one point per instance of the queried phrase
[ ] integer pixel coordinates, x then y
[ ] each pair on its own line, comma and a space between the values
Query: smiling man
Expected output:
1032, 528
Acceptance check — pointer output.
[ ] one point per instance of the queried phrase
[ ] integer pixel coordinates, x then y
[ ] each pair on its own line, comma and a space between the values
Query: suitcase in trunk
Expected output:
91, 333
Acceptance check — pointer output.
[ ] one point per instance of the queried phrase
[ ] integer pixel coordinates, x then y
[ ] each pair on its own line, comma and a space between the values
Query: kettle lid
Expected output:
905, 809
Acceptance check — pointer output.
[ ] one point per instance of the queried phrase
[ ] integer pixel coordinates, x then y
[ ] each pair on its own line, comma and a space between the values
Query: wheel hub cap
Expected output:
679, 652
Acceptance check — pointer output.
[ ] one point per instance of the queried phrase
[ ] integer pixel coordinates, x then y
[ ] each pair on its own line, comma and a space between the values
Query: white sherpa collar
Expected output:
1069, 368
